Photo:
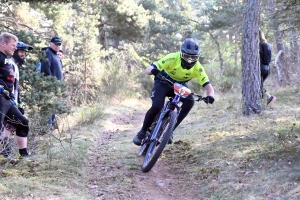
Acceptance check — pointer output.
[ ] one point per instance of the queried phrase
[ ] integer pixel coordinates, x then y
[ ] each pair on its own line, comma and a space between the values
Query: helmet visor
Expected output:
189, 58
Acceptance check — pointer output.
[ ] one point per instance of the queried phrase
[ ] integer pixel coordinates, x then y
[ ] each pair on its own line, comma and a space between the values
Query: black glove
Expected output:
22, 110
209, 99
155, 71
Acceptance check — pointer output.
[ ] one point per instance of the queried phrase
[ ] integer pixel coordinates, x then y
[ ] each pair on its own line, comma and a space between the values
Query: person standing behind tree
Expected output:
60, 55
52, 66
265, 53
8, 107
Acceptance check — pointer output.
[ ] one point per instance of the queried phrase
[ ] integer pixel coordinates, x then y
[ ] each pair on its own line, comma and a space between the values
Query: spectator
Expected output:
52, 66
8, 108
18, 60
60, 55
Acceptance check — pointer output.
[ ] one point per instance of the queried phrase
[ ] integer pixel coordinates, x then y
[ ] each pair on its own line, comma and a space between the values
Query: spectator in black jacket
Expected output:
52, 66
265, 53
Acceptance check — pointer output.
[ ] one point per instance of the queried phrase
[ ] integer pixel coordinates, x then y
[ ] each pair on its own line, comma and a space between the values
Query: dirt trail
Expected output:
114, 170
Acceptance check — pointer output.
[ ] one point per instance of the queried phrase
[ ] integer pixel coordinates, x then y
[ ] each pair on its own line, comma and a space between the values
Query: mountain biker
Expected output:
8, 107
18, 59
180, 67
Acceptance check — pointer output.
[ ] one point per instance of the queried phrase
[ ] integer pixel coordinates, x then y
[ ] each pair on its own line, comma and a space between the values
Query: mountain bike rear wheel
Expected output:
156, 147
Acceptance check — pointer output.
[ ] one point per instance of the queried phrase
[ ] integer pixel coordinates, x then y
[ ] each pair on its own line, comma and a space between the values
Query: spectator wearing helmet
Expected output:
8, 108
181, 67
18, 59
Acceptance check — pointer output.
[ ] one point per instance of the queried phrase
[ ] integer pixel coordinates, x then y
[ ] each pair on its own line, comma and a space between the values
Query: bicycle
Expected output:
161, 130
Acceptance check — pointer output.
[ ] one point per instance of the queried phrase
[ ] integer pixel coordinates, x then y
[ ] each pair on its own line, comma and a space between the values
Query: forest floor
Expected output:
217, 154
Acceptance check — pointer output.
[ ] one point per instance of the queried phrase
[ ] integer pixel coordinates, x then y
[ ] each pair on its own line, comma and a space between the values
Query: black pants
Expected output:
264, 73
159, 92
14, 117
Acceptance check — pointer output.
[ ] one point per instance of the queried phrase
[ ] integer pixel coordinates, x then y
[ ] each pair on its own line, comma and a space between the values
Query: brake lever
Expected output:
200, 98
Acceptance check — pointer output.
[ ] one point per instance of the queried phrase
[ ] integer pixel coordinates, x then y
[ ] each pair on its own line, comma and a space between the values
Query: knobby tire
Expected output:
164, 133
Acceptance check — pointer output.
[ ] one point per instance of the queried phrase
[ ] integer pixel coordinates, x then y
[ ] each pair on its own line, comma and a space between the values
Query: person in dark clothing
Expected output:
53, 67
8, 108
60, 55
181, 66
18, 59
265, 54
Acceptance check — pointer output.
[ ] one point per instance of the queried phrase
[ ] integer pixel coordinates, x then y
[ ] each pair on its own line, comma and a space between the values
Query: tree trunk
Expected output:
295, 49
282, 66
219, 52
276, 65
236, 50
252, 103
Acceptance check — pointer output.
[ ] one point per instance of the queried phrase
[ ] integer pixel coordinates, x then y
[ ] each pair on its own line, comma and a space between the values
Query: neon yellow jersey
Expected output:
171, 64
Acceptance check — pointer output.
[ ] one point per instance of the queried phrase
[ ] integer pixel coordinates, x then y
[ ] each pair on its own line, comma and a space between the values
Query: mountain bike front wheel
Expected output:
156, 147
145, 144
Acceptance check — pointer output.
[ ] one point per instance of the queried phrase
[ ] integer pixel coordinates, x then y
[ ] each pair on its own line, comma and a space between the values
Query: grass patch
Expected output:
56, 168
231, 156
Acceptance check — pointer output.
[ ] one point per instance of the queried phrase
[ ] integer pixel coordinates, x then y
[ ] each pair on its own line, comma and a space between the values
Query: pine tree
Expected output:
250, 59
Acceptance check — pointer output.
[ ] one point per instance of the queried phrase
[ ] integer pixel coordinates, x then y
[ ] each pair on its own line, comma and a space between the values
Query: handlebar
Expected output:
171, 83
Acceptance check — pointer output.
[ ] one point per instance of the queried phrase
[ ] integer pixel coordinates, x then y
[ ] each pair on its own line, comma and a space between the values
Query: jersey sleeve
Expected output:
201, 76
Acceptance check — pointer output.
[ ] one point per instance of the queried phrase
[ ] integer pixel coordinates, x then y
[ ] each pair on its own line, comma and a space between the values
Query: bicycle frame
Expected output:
169, 106
165, 110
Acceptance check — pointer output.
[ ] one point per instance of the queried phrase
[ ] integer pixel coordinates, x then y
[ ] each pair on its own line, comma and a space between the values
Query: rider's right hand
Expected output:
209, 99
155, 71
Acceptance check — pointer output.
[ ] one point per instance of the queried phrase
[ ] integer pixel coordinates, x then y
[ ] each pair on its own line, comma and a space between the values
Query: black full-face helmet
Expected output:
21, 46
189, 53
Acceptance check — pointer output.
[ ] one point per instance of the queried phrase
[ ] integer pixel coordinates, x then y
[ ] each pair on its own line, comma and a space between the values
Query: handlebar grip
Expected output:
200, 98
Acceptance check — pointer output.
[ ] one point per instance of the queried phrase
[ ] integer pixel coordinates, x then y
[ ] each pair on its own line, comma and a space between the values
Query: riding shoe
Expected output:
137, 140
271, 100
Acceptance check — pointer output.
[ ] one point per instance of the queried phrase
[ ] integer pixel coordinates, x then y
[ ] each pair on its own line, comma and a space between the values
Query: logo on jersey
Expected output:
169, 59
8, 61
